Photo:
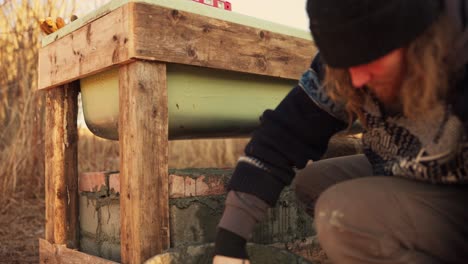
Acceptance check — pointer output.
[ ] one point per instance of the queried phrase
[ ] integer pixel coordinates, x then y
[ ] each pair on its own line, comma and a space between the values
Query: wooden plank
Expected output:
150, 32
61, 168
71, 164
175, 36
49, 143
144, 202
179, 5
55, 254
92, 48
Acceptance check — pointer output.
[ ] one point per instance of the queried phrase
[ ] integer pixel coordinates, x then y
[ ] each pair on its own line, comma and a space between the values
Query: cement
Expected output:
100, 222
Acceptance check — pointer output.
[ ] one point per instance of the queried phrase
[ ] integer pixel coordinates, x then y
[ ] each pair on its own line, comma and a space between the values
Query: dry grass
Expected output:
96, 154
212, 153
21, 224
21, 149
22, 126
21, 107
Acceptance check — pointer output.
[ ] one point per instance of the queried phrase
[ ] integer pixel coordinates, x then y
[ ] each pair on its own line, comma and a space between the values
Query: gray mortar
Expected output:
110, 251
204, 214
192, 220
285, 223
88, 215
98, 242
110, 225
89, 246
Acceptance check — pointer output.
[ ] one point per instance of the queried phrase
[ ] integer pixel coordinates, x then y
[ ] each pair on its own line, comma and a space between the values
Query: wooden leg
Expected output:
55, 254
143, 135
61, 166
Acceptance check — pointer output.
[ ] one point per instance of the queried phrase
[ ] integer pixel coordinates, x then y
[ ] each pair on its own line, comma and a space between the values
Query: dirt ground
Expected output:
21, 224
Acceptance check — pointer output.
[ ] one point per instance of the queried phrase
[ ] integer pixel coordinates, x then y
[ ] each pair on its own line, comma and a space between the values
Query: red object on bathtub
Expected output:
221, 4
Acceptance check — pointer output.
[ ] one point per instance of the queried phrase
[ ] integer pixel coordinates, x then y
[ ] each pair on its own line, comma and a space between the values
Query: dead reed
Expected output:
21, 107
96, 154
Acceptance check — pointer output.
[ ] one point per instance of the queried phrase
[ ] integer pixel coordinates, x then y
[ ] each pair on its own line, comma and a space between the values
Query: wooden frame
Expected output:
127, 37
61, 166
144, 172
149, 32
55, 254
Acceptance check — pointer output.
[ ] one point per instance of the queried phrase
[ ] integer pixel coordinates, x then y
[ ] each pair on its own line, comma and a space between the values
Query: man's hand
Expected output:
228, 260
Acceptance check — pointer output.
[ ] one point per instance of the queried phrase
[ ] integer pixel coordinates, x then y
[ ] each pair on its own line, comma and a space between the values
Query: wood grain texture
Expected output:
144, 201
52, 104
59, 254
92, 48
71, 164
61, 167
50, 122
174, 36
150, 32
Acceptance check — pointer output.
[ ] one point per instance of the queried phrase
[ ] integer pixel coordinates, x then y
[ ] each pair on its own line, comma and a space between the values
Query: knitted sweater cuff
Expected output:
230, 245
257, 181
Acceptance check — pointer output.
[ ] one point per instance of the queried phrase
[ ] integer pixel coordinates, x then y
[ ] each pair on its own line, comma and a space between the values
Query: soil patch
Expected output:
22, 220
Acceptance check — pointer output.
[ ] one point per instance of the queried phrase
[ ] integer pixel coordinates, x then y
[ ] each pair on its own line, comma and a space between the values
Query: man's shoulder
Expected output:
312, 84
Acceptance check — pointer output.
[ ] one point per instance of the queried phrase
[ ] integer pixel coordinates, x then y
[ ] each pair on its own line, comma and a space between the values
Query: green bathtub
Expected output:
203, 102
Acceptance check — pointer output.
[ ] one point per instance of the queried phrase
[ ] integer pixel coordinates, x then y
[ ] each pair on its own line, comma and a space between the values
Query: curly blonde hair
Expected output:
426, 81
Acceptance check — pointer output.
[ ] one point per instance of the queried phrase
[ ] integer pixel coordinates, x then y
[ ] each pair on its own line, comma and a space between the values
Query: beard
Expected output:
389, 96
387, 92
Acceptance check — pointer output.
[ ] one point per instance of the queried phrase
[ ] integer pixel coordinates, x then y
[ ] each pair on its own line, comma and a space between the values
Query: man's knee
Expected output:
352, 216
310, 182
305, 187
330, 210
351, 202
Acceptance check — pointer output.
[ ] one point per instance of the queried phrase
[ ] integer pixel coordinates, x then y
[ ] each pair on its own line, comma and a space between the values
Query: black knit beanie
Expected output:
354, 32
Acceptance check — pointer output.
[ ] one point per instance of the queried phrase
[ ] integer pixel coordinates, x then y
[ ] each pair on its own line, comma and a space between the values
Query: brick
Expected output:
201, 186
182, 186
92, 181
210, 186
176, 186
114, 183
190, 187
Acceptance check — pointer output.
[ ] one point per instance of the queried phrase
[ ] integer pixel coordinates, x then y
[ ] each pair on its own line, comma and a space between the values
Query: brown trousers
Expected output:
362, 218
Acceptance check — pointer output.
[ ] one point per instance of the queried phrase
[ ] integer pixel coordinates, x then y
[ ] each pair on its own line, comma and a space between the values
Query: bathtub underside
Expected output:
203, 102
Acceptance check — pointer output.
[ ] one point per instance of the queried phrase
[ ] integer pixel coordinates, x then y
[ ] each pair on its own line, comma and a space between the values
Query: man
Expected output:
399, 67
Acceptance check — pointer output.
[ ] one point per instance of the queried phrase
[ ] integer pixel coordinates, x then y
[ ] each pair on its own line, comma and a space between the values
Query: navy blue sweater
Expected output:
297, 131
